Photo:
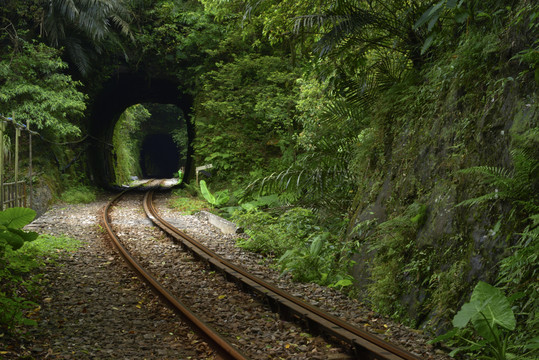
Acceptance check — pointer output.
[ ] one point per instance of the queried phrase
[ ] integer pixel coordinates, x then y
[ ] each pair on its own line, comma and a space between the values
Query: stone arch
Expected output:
116, 95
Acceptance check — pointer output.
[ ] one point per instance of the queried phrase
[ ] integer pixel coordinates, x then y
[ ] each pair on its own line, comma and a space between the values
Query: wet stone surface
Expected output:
94, 307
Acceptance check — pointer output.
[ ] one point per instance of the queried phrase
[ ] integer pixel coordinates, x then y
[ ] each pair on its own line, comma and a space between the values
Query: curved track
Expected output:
366, 346
223, 348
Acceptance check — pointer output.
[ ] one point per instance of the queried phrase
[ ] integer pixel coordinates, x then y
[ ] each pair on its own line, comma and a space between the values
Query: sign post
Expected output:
200, 168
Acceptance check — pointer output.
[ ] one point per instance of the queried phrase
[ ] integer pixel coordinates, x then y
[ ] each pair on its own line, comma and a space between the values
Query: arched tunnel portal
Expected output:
117, 94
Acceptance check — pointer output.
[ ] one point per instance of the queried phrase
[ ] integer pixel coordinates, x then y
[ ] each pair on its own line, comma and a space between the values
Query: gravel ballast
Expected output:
94, 307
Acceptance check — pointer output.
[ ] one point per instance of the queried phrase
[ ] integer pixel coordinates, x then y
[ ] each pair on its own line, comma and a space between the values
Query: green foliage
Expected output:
11, 222
275, 234
316, 261
84, 27
127, 140
488, 308
17, 259
79, 194
34, 87
354, 28
302, 248
20, 281
397, 263
181, 38
180, 176
518, 274
186, 202
220, 198
244, 118
181, 139
261, 201
458, 13
517, 186
490, 314
307, 263
320, 175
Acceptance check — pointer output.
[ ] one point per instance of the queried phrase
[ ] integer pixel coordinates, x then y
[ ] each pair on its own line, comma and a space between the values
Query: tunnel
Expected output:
159, 156
121, 91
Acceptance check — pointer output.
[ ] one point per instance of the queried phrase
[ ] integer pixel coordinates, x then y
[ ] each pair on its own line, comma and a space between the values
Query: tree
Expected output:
245, 115
33, 88
84, 27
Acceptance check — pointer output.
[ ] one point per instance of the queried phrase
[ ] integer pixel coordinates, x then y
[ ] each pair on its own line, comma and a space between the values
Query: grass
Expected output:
186, 203
21, 280
79, 195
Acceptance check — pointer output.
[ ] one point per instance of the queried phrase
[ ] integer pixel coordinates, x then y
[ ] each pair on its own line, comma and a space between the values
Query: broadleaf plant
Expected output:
488, 308
220, 198
11, 222
492, 318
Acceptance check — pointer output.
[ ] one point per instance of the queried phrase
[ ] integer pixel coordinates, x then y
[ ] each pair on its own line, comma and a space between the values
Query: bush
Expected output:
19, 277
186, 202
79, 195
304, 249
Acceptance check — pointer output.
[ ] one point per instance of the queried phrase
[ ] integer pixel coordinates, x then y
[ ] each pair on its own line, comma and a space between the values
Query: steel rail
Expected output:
366, 345
225, 350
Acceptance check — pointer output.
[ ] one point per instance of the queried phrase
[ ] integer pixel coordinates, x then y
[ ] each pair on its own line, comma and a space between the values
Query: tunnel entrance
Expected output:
112, 165
159, 156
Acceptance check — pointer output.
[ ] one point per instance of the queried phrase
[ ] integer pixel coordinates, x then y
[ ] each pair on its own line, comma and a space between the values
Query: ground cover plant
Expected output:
187, 202
22, 255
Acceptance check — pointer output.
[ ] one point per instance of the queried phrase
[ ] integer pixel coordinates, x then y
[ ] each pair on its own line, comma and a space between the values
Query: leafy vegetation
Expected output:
127, 140
186, 202
300, 246
11, 222
384, 144
20, 279
20, 255
35, 88
490, 314
219, 199
79, 195
245, 115
385, 85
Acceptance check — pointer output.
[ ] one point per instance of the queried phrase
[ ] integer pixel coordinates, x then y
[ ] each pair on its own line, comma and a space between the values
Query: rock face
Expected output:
421, 264
41, 199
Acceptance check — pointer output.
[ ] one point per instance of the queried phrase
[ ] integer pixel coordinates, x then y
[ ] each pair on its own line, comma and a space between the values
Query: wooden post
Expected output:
30, 164
2, 129
17, 134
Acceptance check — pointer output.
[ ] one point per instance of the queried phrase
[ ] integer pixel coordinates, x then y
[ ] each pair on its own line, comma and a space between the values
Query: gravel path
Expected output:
94, 308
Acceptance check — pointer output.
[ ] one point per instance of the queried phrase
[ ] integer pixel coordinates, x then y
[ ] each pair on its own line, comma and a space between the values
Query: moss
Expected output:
395, 265
426, 254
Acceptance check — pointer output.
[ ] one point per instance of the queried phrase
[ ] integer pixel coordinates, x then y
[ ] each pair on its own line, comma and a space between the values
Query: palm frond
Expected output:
345, 112
78, 54
92, 20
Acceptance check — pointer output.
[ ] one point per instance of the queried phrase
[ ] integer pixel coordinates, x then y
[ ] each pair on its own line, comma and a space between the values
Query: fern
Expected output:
520, 186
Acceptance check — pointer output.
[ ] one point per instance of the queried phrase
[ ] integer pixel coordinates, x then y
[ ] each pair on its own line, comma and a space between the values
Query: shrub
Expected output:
79, 195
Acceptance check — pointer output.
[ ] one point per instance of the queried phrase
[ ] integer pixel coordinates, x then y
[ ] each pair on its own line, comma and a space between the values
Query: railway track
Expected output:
363, 345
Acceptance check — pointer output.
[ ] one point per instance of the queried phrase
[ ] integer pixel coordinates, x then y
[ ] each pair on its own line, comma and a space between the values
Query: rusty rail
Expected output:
365, 345
224, 349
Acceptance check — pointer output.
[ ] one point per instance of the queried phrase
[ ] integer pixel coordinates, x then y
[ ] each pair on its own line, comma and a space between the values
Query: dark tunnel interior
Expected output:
159, 156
